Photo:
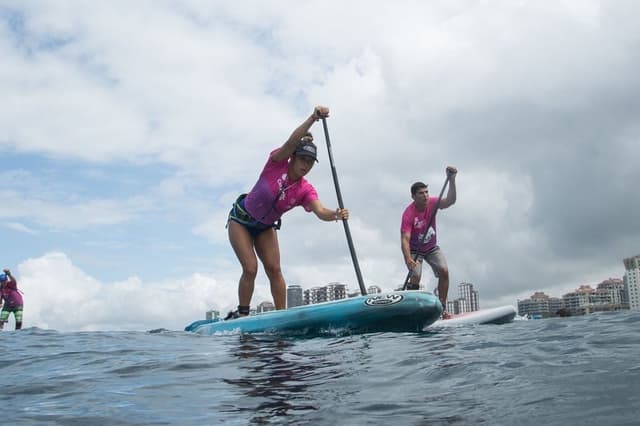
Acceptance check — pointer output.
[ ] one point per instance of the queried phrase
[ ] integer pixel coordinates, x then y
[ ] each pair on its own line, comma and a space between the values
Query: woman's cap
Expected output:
3, 277
308, 149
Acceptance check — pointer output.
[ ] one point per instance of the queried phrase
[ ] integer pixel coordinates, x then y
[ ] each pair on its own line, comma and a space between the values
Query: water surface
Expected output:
578, 370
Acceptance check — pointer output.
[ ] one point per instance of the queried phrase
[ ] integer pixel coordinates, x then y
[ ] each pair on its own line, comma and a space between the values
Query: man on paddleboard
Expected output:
418, 237
255, 217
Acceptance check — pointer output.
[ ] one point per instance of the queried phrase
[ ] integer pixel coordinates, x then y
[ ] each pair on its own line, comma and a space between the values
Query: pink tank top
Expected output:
273, 194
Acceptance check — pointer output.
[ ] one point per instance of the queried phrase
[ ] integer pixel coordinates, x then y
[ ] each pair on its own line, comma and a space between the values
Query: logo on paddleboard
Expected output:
387, 299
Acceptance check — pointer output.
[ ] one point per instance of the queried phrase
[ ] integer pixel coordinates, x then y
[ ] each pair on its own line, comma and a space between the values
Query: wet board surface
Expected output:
399, 311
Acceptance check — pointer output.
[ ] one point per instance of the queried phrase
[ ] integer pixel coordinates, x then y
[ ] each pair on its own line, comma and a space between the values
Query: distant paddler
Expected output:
10, 299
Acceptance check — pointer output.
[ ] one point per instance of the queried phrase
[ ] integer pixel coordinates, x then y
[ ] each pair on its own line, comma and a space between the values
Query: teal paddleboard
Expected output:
400, 311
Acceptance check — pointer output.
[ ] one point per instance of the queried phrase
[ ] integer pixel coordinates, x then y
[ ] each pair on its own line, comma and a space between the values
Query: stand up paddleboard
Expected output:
500, 315
401, 311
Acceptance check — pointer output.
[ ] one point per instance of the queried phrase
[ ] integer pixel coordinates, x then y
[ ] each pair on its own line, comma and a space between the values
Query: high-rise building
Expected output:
469, 298
294, 296
467, 301
632, 281
453, 306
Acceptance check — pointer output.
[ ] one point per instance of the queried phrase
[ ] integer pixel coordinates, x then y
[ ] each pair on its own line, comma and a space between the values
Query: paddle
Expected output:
363, 291
433, 215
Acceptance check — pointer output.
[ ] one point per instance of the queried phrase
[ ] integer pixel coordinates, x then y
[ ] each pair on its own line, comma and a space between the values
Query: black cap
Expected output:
308, 149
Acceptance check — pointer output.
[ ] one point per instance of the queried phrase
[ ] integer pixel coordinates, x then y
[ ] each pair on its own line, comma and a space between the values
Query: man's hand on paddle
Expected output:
411, 263
451, 171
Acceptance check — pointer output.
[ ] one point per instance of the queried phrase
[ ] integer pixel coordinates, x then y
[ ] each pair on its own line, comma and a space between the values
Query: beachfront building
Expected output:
212, 315
294, 296
539, 305
332, 291
336, 291
632, 281
265, 306
610, 296
315, 295
374, 289
354, 293
579, 300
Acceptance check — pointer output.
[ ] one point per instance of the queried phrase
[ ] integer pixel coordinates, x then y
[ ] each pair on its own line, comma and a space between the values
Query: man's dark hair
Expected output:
417, 187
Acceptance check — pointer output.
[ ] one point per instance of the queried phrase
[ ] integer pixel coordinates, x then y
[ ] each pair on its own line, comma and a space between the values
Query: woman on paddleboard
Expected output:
255, 217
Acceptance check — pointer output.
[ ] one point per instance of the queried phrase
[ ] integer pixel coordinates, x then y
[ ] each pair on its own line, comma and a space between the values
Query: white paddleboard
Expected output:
499, 315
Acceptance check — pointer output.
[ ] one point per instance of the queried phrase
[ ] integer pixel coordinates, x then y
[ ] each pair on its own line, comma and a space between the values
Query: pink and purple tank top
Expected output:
273, 194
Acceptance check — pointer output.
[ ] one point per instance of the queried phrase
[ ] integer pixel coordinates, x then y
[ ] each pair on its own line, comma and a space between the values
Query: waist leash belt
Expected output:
240, 215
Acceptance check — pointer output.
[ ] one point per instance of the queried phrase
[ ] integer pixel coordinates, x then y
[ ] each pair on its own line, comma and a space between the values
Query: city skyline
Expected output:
470, 299
611, 294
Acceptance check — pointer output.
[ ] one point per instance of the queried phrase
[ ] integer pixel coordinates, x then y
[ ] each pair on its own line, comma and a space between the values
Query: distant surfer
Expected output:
418, 239
11, 299
255, 217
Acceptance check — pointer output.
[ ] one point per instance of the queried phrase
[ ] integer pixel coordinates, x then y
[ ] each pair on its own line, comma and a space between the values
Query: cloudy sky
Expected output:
128, 128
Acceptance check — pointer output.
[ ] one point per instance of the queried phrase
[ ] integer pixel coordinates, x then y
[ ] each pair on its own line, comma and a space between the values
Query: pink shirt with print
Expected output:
273, 194
414, 222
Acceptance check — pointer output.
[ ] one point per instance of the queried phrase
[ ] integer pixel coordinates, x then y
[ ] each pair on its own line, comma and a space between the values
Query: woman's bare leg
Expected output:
243, 245
268, 250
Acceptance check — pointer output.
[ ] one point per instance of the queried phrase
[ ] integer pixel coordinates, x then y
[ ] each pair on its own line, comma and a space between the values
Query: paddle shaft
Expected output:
345, 223
424, 236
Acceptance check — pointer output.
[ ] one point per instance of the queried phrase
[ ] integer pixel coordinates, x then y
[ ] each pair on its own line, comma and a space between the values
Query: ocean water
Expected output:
559, 371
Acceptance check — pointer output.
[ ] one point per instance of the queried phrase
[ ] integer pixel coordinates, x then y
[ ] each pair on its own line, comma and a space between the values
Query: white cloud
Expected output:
16, 226
65, 215
58, 295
